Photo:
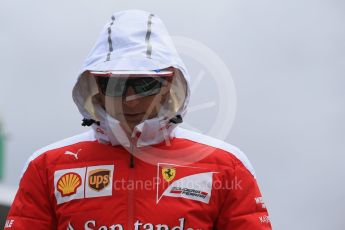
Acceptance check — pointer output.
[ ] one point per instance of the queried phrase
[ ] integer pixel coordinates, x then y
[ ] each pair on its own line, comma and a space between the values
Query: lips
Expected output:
133, 114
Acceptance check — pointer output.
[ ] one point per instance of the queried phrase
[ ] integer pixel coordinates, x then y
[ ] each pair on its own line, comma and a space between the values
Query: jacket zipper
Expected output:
131, 160
131, 176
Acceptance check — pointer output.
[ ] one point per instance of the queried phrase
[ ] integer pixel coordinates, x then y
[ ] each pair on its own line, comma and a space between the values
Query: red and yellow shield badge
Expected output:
168, 174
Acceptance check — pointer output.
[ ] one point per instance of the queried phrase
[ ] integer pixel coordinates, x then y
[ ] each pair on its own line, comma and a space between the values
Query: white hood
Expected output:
133, 40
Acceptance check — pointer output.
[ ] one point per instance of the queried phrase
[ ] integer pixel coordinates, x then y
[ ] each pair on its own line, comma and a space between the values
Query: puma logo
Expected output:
73, 154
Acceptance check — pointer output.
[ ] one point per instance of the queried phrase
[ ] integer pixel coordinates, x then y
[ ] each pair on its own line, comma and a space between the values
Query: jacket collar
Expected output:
149, 132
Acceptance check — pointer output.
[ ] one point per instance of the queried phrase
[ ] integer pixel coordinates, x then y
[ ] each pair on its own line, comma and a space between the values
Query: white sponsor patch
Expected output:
194, 187
69, 184
189, 182
100, 181
77, 183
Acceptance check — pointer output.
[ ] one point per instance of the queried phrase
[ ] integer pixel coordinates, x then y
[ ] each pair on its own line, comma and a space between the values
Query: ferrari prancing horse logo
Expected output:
168, 174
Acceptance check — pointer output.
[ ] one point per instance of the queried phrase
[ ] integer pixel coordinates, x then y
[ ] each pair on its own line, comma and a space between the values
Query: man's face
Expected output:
132, 107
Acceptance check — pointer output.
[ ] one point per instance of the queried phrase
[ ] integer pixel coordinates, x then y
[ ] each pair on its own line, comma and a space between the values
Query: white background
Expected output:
287, 59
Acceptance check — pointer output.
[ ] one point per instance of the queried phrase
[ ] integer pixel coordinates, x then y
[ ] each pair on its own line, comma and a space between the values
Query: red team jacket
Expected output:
164, 177
82, 184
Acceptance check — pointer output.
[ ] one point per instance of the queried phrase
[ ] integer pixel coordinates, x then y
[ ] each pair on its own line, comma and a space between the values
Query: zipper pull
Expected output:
134, 139
131, 163
131, 160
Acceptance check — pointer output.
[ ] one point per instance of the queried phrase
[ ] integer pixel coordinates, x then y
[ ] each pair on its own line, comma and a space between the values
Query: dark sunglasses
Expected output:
117, 86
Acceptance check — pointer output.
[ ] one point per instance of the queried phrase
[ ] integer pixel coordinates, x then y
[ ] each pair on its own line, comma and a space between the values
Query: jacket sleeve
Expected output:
31, 207
242, 204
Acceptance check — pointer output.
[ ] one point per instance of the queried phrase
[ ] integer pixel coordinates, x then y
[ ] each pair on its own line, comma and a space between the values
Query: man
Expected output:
136, 169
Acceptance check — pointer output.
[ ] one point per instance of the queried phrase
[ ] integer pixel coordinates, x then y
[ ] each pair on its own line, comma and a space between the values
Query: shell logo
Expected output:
68, 184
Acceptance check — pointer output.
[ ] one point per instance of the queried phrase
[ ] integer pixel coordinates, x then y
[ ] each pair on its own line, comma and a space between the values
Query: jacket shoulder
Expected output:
227, 148
86, 136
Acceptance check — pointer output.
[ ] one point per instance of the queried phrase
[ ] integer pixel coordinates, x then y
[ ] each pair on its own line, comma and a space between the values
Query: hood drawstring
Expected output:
89, 122
177, 119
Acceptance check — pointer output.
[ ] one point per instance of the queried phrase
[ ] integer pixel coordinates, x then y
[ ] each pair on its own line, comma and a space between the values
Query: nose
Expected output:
128, 98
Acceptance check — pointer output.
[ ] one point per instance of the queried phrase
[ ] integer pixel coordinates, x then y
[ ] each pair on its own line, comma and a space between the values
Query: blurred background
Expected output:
287, 62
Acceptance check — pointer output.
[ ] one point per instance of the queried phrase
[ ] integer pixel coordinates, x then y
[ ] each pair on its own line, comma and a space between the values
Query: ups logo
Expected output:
99, 179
